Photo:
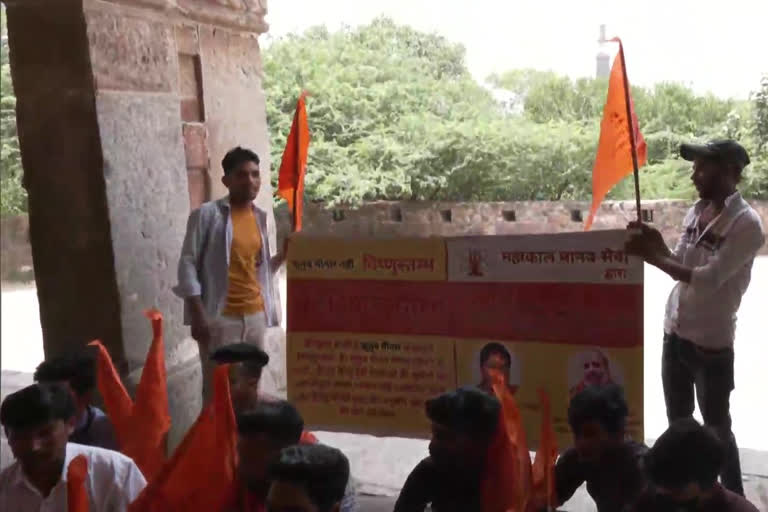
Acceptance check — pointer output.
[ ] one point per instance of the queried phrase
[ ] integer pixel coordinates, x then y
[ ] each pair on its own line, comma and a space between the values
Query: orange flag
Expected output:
290, 184
140, 426
77, 494
308, 438
200, 476
507, 481
543, 488
614, 151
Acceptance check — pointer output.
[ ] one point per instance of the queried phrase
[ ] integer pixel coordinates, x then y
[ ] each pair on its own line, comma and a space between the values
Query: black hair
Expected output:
77, 368
36, 405
279, 420
495, 348
251, 357
686, 453
322, 471
603, 404
467, 411
237, 156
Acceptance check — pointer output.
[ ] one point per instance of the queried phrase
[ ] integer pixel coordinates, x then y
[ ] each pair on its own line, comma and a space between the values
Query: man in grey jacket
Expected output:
226, 266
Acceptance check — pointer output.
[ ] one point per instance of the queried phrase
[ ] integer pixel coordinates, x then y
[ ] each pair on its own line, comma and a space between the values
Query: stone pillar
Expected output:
125, 109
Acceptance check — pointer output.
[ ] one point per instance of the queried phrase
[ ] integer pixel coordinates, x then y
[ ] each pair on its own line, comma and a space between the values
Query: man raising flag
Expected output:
622, 148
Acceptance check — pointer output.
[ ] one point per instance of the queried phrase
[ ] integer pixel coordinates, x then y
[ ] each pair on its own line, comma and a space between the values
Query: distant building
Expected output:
603, 56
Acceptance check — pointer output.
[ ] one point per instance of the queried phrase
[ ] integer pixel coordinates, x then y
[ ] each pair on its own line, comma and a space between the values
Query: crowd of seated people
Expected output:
283, 468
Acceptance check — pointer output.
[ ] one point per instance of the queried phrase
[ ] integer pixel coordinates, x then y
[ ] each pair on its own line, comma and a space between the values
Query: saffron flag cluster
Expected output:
200, 476
614, 159
141, 425
512, 484
290, 184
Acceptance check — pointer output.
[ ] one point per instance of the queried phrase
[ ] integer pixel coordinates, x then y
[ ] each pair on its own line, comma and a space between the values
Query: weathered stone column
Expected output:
125, 109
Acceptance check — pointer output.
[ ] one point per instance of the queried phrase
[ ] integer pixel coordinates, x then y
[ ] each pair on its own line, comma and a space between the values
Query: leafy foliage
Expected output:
13, 197
396, 115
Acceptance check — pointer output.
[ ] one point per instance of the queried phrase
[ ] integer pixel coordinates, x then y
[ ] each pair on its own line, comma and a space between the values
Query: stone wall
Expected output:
423, 219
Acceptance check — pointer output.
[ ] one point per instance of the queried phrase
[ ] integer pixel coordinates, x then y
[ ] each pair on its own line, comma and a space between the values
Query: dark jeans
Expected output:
684, 366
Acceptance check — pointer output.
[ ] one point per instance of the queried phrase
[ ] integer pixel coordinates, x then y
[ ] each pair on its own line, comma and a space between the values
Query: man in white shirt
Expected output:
712, 265
38, 421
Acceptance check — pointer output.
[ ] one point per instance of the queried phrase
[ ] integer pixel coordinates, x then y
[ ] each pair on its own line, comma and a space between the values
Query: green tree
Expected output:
13, 197
395, 114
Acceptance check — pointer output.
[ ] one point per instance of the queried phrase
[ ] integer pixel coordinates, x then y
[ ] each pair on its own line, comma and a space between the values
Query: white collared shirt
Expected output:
721, 256
113, 482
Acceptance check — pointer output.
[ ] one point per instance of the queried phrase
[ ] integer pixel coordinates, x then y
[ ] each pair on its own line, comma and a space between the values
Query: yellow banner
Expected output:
372, 384
562, 370
406, 259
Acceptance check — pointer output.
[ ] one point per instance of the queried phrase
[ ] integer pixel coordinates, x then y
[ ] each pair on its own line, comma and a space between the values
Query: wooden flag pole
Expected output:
628, 103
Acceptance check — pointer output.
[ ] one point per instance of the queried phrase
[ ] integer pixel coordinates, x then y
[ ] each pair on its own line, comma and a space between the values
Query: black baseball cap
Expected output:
240, 353
725, 150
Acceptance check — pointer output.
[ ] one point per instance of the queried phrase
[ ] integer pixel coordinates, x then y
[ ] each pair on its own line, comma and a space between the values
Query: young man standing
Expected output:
682, 468
450, 479
308, 478
602, 456
38, 420
226, 267
77, 371
712, 265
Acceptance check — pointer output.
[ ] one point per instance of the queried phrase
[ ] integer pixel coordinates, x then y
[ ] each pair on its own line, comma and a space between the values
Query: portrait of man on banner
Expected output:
497, 357
592, 368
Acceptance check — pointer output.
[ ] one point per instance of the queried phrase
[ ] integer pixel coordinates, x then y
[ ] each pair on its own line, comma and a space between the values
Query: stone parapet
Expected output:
424, 218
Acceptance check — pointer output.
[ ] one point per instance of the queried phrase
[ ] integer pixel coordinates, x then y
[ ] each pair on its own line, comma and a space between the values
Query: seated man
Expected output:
246, 362
602, 456
682, 468
308, 478
78, 372
38, 420
463, 425
263, 431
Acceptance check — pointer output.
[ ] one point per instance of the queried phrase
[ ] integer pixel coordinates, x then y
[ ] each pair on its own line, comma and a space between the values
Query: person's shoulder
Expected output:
736, 503
9, 475
210, 207
752, 217
103, 459
425, 469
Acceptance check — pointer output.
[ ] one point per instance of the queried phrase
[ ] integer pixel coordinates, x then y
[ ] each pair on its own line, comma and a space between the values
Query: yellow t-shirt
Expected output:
244, 293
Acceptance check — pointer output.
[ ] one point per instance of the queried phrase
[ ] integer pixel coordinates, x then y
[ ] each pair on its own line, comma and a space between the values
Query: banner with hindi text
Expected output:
375, 327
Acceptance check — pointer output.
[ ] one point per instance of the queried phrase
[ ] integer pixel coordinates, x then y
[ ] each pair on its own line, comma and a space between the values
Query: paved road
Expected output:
381, 464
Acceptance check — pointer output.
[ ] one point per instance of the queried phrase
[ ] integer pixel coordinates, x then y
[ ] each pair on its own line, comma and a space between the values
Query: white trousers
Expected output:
226, 330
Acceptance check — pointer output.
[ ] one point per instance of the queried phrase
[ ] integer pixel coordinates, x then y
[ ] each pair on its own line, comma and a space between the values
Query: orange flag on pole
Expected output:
543, 488
507, 480
140, 426
290, 184
77, 494
621, 149
201, 474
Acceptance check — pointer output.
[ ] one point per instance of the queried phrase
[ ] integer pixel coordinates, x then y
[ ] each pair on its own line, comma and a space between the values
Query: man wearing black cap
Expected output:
246, 364
712, 264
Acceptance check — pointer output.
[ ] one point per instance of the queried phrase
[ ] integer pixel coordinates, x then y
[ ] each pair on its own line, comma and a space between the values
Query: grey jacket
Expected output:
204, 262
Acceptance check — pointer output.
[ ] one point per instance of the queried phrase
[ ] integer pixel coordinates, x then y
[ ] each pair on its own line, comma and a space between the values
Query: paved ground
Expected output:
381, 464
